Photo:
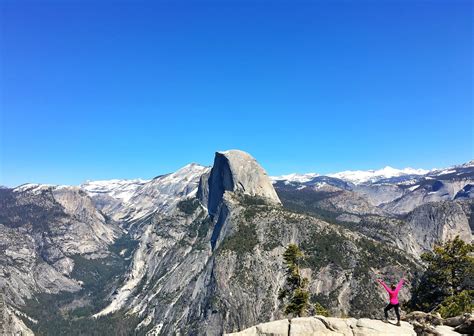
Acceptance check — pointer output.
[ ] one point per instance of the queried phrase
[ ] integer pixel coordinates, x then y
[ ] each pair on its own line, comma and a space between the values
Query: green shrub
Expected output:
320, 310
188, 206
247, 200
448, 278
457, 304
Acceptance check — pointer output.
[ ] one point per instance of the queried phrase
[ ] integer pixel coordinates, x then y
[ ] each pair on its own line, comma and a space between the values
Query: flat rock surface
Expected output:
319, 325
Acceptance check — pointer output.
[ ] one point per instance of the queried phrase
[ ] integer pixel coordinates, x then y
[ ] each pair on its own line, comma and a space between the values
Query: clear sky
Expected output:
125, 89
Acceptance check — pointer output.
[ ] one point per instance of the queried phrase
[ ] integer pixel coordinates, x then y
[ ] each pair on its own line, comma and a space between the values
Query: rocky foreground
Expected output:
320, 325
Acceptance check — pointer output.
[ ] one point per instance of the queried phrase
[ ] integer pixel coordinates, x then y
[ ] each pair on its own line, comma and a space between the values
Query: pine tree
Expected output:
447, 284
294, 292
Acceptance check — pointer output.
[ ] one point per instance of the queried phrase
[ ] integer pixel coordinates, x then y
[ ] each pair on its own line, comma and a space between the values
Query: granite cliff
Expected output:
199, 251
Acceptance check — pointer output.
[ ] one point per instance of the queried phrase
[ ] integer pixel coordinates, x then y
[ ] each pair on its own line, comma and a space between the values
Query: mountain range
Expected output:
199, 251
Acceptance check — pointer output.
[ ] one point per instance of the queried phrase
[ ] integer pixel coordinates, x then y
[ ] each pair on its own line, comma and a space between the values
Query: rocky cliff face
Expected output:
41, 228
10, 323
216, 260
445, 187
199, 251
178, 250
434, 223
416, 213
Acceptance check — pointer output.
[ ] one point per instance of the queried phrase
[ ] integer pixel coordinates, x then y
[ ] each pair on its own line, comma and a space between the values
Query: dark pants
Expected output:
390, 306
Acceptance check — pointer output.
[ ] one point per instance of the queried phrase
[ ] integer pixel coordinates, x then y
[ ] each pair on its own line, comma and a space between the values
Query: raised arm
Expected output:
400, 284
384, 285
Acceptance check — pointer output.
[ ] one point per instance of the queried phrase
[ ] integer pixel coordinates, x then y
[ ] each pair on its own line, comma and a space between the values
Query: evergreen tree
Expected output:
294, 292
447, 284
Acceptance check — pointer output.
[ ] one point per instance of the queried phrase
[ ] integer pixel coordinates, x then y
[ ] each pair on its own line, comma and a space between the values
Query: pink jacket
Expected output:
393, 294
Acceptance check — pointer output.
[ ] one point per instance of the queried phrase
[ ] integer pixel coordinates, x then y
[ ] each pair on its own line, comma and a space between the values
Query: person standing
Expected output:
393, 296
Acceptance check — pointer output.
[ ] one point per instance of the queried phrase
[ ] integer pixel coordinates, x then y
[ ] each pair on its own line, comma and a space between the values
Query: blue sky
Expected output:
124, 89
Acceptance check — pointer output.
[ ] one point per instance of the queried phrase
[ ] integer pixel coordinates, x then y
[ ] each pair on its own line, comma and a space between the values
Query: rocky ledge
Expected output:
434, 324
320, 325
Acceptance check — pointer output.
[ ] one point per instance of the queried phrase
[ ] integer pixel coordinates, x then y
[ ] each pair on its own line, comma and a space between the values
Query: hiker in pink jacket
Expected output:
393, 294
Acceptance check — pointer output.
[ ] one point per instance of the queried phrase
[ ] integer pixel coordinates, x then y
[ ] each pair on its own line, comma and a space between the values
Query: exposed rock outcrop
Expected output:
433, 324
320, 325
378, 194
351, 202
236, 171
41, 228
10, 323
467, 327
435, 223
431, 189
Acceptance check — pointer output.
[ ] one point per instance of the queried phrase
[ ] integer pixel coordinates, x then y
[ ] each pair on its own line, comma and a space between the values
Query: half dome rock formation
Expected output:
236, 171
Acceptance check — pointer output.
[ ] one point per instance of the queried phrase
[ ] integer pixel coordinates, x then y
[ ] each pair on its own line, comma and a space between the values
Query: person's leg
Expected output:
397, 312
386, 309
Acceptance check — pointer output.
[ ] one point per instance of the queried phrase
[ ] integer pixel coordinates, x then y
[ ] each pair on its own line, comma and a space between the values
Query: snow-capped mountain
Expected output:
356, 176
301, 178
385, 175
397, 191
363, 176
458, 169
133, 199
118, 189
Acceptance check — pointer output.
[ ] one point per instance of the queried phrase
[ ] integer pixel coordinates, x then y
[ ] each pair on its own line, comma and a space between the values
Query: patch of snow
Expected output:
138, 198
33, 187
300, 178
166, 191
468, 164
320, 185
445, 172
119, 189
362, 176
408, 182
413, 188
